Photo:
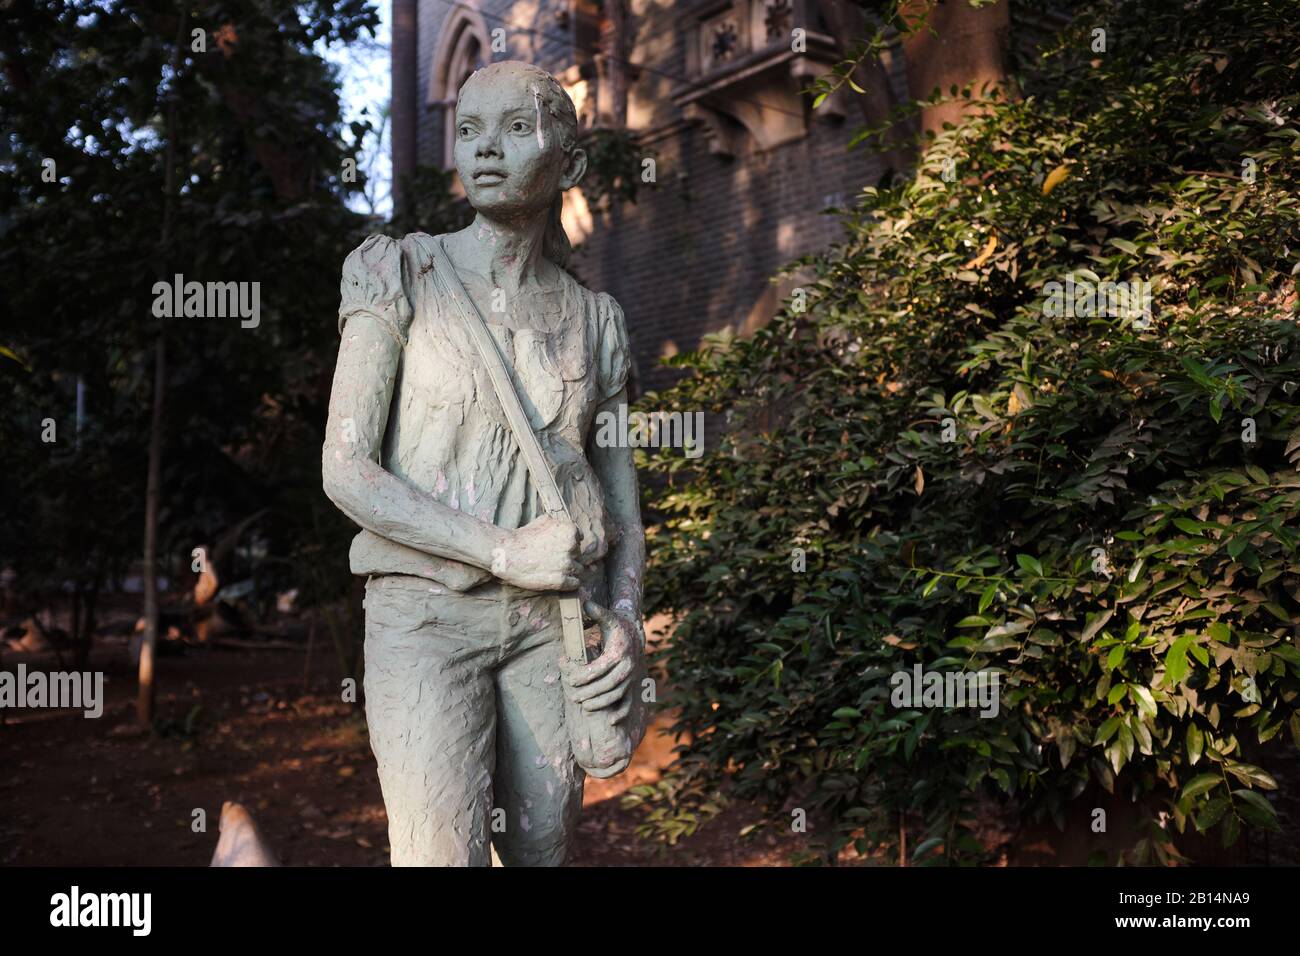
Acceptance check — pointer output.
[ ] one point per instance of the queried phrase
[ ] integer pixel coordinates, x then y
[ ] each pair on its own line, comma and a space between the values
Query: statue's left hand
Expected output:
604, 682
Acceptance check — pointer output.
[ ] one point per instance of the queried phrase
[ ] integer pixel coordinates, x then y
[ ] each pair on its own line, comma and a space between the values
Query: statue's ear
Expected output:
575, 167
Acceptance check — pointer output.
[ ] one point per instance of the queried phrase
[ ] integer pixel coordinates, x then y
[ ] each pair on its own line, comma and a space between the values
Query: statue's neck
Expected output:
508, 255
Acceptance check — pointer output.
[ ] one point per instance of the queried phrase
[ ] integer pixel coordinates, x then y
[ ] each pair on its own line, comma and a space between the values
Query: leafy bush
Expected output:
1101, 530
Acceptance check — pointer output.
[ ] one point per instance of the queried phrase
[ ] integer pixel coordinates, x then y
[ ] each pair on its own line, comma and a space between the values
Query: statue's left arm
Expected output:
615, 469
625, 561
605, 681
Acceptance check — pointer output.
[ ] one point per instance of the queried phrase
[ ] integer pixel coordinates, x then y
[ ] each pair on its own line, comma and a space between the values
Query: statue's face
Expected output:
508, 150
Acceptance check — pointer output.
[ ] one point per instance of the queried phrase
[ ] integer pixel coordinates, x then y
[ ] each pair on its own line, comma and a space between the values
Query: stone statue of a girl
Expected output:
463, 651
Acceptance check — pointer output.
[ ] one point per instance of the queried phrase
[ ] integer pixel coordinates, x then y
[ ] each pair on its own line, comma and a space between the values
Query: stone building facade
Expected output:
744, 169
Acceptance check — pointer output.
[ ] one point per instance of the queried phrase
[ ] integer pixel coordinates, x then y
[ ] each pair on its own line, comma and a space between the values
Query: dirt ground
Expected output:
258, 727
267, 728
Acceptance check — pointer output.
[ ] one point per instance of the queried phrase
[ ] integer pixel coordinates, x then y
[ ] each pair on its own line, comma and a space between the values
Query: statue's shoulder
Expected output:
420, 241
613, 350
606, 307
417, 251
605, 317
383, 258
610, 314
373, 266
372, 284
375, 252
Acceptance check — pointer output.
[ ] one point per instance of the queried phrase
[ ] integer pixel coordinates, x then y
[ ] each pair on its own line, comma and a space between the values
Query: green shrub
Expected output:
1099, 532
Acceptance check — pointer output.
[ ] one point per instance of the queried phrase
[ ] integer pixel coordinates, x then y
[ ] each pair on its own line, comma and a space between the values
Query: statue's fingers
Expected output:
596, 612
604, 684
621, 712
605, 700
597, 669
583, 674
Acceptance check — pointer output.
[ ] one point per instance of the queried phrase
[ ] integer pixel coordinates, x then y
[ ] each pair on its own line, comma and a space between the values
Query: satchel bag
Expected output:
602, 749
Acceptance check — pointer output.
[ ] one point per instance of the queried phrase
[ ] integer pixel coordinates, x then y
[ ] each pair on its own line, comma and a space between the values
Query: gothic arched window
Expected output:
462, 49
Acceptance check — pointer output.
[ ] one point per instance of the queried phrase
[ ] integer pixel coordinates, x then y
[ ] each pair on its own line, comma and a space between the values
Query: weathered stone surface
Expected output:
472, 706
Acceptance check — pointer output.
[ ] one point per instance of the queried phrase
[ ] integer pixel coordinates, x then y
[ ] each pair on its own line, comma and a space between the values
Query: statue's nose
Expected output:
487, 145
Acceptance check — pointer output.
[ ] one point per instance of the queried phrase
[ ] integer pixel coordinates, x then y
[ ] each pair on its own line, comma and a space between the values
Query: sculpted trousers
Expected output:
466, 716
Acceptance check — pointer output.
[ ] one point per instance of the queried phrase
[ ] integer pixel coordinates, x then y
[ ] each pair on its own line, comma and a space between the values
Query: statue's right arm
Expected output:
376, 316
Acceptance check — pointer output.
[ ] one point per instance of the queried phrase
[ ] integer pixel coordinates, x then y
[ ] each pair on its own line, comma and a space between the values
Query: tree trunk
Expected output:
404, 108
967, 46
74, 624
85, 639
614, 45
144, 707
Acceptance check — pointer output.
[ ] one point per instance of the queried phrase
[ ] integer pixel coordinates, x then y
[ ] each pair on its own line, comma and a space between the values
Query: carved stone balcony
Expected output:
745, 67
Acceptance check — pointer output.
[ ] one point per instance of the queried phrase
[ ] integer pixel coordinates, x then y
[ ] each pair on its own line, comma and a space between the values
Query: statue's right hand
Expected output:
540, 556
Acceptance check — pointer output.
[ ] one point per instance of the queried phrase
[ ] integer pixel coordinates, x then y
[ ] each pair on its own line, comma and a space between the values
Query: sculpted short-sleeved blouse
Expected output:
446, 432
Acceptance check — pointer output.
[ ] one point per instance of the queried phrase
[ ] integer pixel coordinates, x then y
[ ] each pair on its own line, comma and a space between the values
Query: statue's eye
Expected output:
519, 126
465, 132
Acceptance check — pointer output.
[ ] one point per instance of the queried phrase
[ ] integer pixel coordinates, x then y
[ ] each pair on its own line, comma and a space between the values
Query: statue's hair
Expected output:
564, 120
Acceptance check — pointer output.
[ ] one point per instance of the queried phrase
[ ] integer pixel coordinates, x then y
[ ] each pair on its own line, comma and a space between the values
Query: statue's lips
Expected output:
489, 177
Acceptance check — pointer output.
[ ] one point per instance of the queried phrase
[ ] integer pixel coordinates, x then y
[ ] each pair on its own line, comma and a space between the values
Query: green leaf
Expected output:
1176, 661
1140, 733
1213, 812
1198, 785
1029, 564
1277, 611
1106, 730
1231, 830
1256, 810
1125, 741
1001, 642
1006, 630
1145, 700
1096, 623
1195, 740
1250, 774
1066, 744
